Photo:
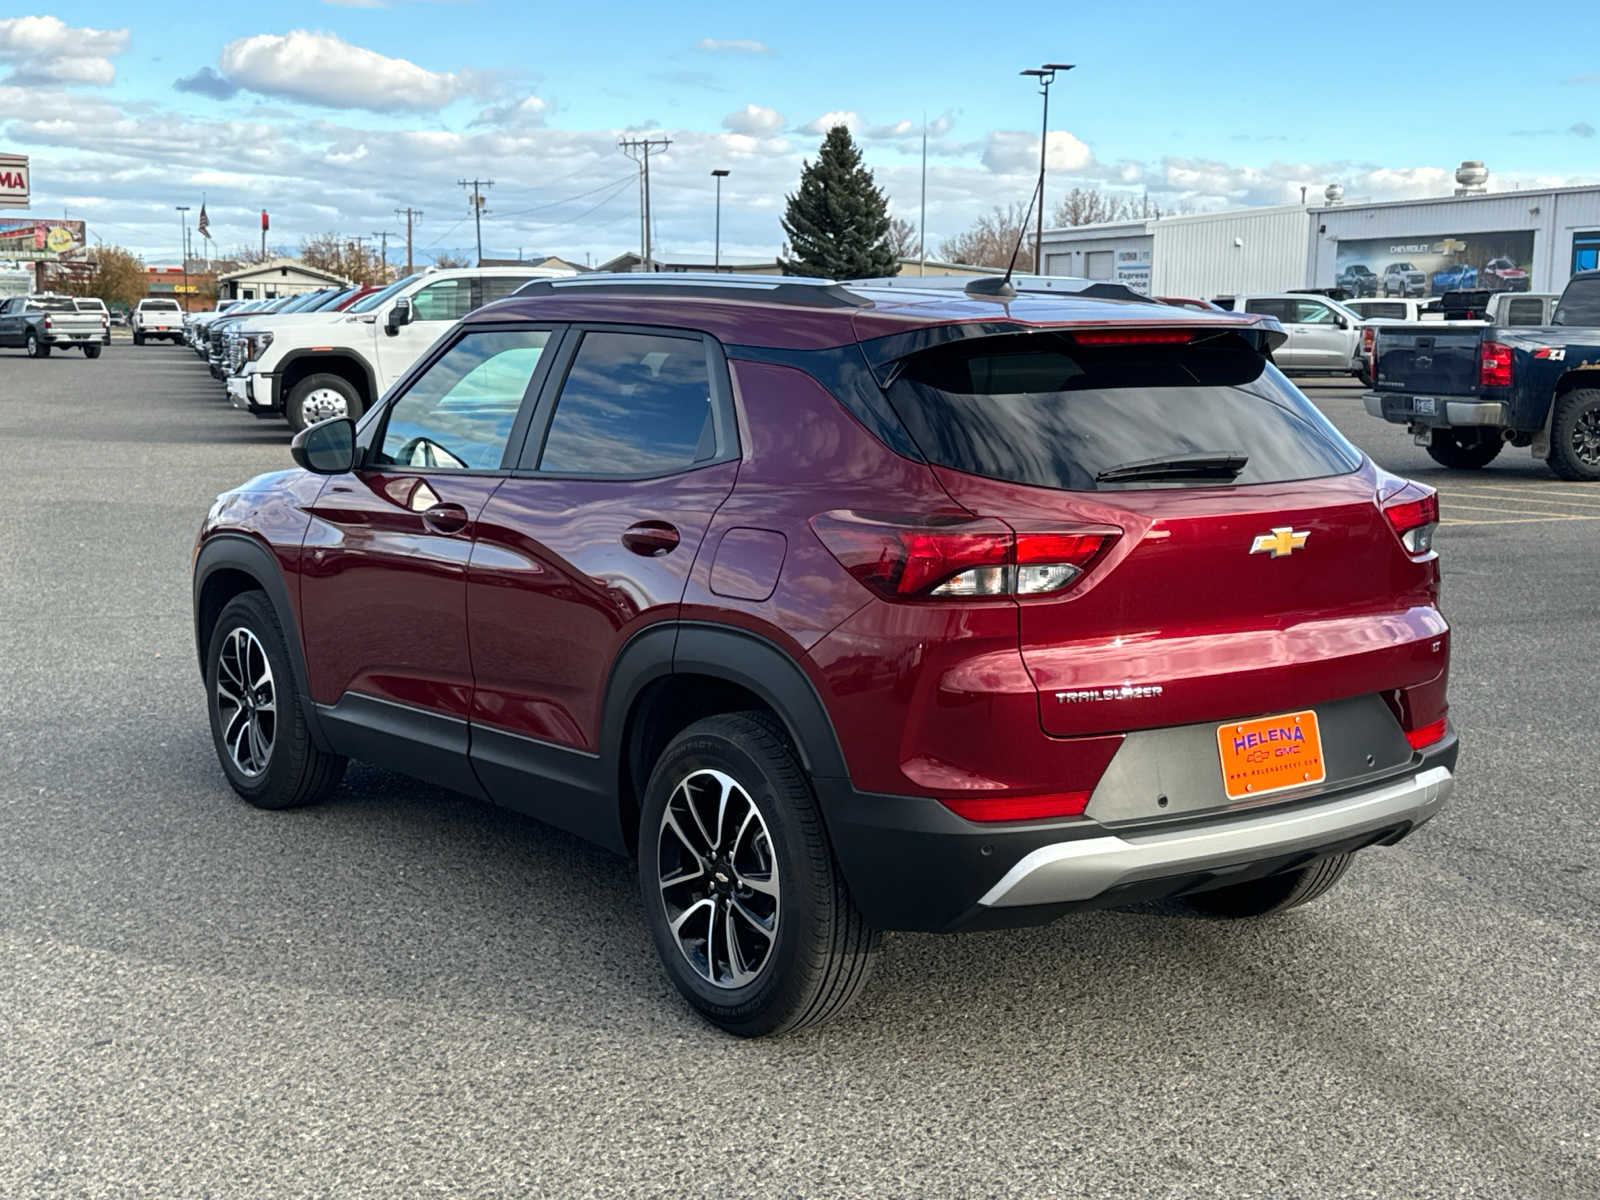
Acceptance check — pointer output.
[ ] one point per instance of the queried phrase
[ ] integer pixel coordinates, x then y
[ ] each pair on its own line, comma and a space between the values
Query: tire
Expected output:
1465, 449
92, 351
1575, 436
289, 771
138, 338
34, 347
313, 400
772, 870
1275, 893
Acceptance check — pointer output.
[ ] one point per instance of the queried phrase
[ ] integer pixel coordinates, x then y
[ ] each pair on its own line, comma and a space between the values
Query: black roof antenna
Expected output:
990, 288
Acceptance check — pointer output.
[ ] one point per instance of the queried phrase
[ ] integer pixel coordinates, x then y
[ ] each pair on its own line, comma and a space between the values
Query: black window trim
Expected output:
724, 424
371, 428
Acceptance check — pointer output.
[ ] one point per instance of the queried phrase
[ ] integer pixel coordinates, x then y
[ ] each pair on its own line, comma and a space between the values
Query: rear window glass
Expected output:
1047, 412
52, 304
1380, 309
1580, 303
163, 305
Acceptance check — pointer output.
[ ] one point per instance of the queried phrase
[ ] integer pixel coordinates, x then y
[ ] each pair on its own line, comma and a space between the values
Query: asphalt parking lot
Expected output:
406, 993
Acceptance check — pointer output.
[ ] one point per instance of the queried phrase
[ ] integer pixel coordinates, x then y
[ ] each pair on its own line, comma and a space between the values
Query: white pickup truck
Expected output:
340, 365
157, 317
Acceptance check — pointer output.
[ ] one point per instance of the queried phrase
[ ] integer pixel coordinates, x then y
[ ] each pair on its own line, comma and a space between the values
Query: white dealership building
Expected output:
1528, 240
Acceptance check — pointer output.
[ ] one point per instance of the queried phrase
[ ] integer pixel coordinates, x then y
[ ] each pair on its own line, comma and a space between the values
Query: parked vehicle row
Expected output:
1467, 389
335, 353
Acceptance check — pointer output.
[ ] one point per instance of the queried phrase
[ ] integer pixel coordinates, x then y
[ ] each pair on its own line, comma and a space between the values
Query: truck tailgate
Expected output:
1427, 358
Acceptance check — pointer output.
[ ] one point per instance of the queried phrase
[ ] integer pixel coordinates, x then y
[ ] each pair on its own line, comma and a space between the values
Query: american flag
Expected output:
204, 226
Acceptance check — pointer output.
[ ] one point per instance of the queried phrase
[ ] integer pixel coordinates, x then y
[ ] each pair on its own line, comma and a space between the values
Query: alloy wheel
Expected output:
719, 878
247, 700
322, 403
1586, 437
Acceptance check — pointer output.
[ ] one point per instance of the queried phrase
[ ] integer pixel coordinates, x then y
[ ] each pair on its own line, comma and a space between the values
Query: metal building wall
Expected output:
1066, 250
1246, 250
1553, 216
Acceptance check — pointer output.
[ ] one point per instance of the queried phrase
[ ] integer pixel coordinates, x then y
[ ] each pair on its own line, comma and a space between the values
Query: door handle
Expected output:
650, 538
445, 518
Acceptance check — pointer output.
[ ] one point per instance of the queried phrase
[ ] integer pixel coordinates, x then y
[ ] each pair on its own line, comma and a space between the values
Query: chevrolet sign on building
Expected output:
13, 181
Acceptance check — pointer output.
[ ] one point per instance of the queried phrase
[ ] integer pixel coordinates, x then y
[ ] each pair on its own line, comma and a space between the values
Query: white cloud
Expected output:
899, 129
1012, 152
319, 68
45, 50
754, 120
527, 113
732, 45
850, 120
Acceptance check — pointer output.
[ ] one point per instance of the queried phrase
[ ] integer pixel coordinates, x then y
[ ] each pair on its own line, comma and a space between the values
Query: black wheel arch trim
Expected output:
238, 552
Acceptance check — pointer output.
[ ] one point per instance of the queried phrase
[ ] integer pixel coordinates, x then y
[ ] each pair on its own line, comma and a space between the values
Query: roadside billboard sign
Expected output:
1432, 264
13, 181
30, 240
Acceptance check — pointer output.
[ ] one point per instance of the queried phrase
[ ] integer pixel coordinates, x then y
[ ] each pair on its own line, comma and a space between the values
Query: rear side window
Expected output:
632, 404
1043, 411
1284, 310
1525, 312
1580, 304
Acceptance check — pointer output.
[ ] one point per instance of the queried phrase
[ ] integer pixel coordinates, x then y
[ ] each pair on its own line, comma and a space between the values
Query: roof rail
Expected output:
776, 289
1068, 285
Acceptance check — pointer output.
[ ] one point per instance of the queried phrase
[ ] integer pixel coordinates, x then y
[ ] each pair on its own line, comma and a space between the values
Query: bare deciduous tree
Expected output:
450, 260
990, 240
342, 257
903, 238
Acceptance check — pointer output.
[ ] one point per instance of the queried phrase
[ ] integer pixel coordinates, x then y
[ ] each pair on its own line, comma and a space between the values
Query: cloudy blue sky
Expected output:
331, 114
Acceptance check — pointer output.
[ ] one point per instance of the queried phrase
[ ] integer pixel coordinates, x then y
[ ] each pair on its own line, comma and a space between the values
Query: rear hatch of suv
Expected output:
1250, 560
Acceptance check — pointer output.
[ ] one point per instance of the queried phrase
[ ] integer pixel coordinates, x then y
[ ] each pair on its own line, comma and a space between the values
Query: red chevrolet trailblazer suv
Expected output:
847, 608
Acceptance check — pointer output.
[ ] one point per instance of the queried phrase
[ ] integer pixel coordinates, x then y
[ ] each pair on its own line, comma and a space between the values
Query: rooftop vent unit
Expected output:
1334, 193
1471, 176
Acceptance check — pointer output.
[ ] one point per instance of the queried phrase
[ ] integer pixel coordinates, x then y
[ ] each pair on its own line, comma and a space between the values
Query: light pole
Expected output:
1046, 75
183, 218
716, 253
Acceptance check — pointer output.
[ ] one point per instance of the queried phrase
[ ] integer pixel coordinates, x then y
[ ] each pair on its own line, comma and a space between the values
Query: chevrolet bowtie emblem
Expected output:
1281, 542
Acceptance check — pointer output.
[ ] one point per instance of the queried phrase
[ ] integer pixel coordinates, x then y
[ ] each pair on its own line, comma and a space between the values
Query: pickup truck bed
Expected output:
1466, 391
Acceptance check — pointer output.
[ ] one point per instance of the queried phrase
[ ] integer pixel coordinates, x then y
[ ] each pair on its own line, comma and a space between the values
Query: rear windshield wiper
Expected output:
1207, 464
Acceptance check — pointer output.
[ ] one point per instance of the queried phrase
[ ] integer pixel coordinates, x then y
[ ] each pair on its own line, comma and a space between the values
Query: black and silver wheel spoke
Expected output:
718, 878
1586, 437
246, 701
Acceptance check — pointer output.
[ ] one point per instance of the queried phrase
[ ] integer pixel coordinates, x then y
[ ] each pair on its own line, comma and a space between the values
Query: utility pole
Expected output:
183, 216
383, 255
410, 215
477, 207
644, 146
922, 221
719, 174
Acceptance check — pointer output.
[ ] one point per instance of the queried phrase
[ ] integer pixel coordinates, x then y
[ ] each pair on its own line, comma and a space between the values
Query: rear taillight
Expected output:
1430, 733
1413, 513
929, 558
1494, 365
47, 322
1017, 808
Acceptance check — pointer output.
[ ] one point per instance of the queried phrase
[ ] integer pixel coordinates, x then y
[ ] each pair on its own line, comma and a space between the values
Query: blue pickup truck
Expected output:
1465, 391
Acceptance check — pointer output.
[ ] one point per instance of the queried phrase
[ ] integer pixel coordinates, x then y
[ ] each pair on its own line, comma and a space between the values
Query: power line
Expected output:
477, 207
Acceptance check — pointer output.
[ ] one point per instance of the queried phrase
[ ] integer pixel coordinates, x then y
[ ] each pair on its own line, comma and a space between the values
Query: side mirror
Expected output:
1343, 324
326, 448
399, 315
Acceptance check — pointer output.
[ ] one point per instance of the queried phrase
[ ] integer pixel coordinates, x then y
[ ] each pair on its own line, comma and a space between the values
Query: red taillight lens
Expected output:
1430, 733
1413, 513
944, 558
1132, 337
1494, 365
1017, 808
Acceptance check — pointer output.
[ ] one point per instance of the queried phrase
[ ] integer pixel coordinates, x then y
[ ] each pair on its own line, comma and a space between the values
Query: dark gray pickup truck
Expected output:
40, 324
1466, 391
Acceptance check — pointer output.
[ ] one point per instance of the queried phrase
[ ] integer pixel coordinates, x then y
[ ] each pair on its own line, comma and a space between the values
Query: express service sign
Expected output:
13, 181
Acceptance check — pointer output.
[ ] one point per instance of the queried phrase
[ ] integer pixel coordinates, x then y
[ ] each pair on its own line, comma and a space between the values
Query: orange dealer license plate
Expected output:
1270, 754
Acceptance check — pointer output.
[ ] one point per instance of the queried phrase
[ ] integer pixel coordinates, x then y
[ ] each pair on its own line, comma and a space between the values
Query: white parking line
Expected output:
1513, 520
1451, 505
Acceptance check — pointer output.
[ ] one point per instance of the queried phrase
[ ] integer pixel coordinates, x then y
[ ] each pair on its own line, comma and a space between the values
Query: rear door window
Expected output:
446, 300
632, 404
498, 287
1041, 410
1580, 303
1282, 309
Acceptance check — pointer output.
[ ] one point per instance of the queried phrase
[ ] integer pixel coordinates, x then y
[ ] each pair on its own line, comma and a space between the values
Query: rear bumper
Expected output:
1448, 412
910, 863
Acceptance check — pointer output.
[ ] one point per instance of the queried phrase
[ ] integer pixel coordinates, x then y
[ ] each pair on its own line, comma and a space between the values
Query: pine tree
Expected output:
838, 221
